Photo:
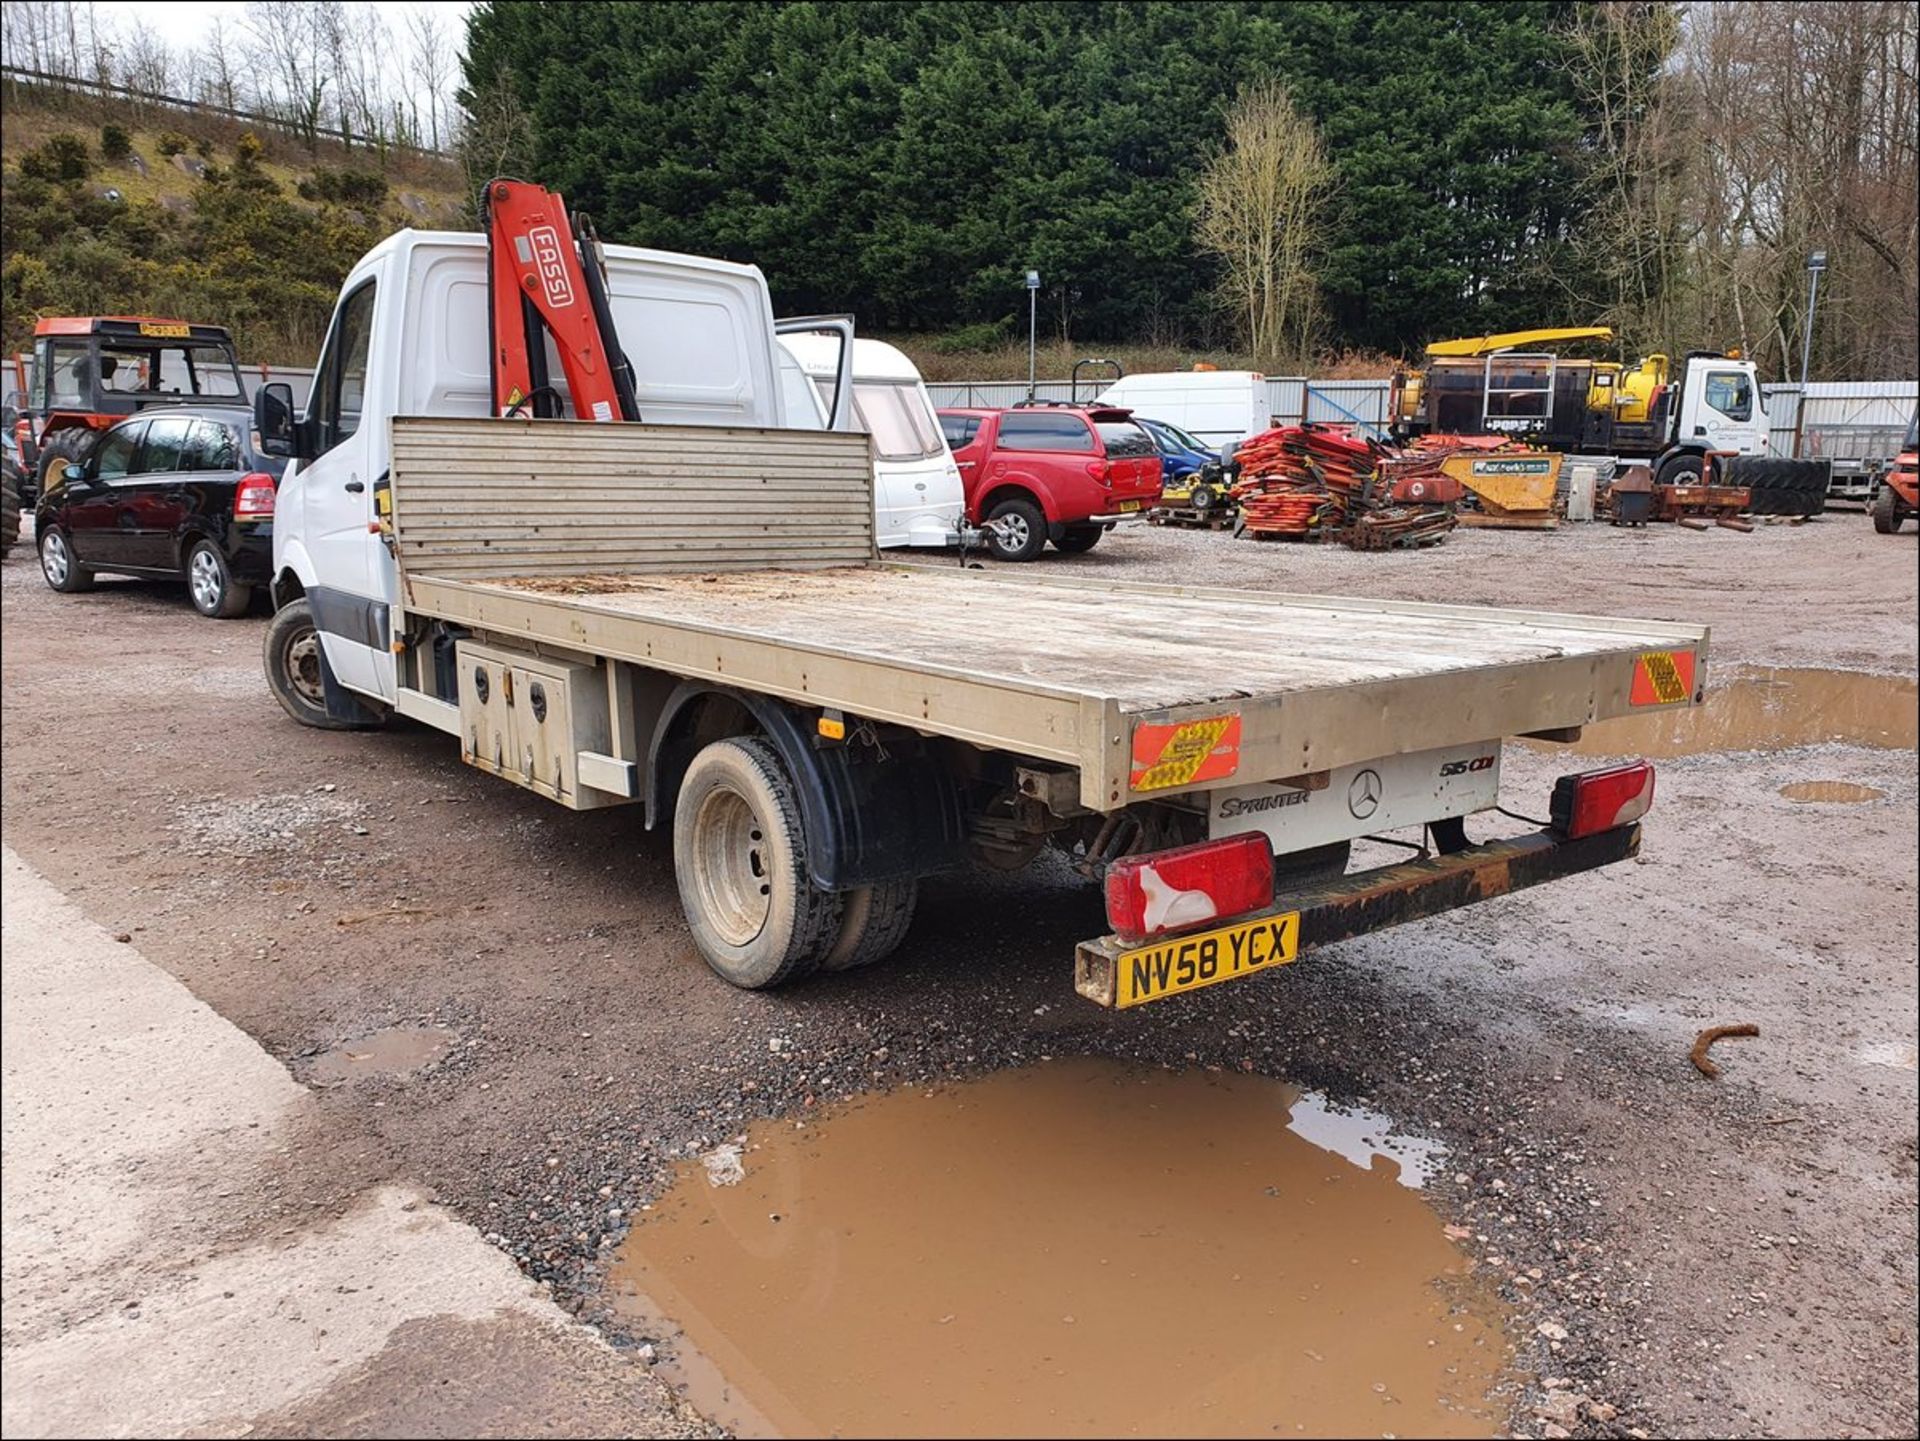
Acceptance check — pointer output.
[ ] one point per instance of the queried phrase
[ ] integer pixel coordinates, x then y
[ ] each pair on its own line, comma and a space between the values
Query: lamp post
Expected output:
1816, 263
1033, 294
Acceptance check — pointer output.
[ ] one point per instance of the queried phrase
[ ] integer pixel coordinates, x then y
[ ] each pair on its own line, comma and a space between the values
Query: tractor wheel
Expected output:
62, 448
1886, 510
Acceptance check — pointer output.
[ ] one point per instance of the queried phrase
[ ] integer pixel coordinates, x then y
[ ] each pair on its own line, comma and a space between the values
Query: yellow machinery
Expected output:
1626, 394
1513, 489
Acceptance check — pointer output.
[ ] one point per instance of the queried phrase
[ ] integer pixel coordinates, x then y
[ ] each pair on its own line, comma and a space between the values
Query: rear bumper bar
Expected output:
1413, 890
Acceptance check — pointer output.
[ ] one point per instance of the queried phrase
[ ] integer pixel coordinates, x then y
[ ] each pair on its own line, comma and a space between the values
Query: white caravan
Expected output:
918, 496
1221, 407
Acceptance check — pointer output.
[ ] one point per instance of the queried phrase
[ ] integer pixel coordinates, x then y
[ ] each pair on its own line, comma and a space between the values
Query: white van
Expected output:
1221, 407
918, 497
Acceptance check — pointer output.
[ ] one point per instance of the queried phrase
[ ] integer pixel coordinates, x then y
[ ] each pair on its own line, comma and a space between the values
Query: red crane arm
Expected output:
541, 280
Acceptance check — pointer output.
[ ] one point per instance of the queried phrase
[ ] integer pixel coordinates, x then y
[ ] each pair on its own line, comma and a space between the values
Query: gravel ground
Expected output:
1730, 1257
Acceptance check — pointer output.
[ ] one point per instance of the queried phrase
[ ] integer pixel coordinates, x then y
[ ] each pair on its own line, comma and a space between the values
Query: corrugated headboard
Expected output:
475, 498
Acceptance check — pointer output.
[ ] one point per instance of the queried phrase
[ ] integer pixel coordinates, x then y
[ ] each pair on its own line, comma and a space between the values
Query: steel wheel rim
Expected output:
54, 559
203, 574
303, 667
730, 870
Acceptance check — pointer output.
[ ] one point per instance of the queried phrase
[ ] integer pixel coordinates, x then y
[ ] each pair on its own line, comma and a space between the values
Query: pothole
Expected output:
1831, 792
1079, 1248
1769, 710
395, 1051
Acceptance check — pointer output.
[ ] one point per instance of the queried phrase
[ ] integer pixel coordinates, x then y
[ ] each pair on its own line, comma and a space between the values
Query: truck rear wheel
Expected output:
740, 861
1079, 539
873, 922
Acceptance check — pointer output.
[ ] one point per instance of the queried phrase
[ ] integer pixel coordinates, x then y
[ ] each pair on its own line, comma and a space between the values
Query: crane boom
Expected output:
1514, 339
543, 280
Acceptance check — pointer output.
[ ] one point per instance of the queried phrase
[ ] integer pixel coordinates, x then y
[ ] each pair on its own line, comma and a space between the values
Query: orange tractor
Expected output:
87, 372
1899, 495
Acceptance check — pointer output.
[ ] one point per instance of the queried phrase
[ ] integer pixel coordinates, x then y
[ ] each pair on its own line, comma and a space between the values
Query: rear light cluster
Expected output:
1149, 895
253, 496
1101, 470
1595, 801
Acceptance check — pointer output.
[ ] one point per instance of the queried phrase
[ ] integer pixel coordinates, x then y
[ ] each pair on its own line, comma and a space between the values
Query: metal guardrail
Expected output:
106, 90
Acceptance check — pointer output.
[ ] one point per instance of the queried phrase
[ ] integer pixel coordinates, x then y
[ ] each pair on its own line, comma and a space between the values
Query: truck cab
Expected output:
409, 336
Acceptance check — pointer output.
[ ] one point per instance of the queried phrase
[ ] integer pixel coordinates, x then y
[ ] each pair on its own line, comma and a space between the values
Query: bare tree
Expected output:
221, 66
496, 133
433, 57
1261, 200
289, 46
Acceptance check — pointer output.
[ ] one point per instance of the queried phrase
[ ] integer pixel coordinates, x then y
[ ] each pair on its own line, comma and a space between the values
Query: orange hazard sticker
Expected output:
1662, 677
1165, 756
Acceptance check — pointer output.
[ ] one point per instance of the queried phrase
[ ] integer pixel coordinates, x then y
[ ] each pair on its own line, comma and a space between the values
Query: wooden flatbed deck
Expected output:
623, 556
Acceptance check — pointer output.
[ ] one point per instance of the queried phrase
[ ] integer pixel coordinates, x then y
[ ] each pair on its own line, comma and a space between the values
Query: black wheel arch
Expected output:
871, 813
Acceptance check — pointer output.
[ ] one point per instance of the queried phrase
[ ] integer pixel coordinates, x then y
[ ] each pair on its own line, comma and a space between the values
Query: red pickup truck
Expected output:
1064, 473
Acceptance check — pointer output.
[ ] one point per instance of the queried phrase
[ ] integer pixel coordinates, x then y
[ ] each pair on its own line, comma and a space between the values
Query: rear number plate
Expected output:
1186, 963
1127, 507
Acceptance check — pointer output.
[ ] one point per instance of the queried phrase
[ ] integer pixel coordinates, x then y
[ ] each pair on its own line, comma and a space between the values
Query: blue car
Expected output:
1181, 454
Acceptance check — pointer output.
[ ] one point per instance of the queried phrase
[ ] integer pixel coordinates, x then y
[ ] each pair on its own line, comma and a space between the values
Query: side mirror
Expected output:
73, 474
273, 420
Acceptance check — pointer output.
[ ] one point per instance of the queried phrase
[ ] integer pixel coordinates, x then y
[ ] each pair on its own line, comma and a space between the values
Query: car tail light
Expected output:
1176, 890
1595, 801
253, 496
1101, 470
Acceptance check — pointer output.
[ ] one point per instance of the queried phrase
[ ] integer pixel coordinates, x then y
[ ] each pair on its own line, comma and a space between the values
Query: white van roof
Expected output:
819, 356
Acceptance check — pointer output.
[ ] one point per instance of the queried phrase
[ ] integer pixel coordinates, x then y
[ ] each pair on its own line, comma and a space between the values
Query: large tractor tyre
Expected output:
873, 922
1079, 539
1885, 510
740, 861
63, 447
9, 512
1780, 487
1016, 529
63, 572
294, 667
216, 594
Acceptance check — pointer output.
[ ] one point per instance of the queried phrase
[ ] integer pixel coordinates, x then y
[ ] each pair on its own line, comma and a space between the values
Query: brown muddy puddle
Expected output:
395, 1051
1073, 1249
1831, 792
1769, 710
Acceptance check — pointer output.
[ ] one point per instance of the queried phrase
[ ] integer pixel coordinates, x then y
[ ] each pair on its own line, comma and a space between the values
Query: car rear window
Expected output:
900, 422
1036, 430
1124, 438
959, 429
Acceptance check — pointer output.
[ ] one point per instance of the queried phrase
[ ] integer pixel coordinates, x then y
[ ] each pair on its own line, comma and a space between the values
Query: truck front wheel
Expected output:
740, 860
293, 663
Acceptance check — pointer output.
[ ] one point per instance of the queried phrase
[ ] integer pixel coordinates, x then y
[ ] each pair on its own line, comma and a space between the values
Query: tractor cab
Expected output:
90, 371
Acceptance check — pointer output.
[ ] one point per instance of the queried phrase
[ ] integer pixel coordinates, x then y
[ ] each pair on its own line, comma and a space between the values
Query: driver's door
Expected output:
336, 501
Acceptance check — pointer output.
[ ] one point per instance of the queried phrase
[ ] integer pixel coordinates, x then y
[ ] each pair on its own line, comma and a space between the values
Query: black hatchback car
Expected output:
174, 493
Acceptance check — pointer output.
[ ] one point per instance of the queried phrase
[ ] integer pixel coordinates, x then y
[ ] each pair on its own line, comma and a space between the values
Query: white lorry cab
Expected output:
1221, 407
684, 612
918, 496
